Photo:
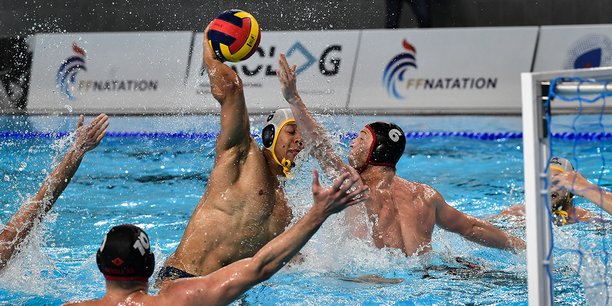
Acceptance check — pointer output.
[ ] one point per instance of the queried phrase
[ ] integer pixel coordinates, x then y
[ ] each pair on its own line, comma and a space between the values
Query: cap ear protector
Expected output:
267, 135
125, 254
274, 124
388, 144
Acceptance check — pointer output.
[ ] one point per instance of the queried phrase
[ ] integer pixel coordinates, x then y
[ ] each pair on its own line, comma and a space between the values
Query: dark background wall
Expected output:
23, 17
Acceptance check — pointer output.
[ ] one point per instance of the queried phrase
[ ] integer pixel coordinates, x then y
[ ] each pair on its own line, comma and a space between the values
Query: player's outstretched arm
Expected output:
577, 184
226, 87
474, 229
312, 131
21, 223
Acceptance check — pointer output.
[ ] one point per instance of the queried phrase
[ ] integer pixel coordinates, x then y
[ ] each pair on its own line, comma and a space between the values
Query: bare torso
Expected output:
403, 215
242, 209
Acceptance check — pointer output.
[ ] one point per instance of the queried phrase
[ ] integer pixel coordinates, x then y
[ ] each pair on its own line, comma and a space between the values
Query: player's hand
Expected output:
287, 77
209, 55
339, 196
571, 181
89, 136
517, 244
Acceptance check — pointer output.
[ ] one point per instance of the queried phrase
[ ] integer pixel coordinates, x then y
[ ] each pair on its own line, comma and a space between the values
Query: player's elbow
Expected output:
226, 87
469, 231
232, 83
269, 268
467, 228
265, 274
261, 270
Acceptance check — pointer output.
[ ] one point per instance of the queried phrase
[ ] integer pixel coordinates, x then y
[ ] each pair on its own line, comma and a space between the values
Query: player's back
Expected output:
406, 216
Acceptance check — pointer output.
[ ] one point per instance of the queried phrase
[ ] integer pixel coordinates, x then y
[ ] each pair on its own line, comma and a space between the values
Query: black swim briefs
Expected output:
172, 273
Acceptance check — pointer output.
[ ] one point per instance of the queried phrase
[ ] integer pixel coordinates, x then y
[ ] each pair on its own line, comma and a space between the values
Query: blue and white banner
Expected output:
574, 47
324, 63
467, 70
133, 73
471, 70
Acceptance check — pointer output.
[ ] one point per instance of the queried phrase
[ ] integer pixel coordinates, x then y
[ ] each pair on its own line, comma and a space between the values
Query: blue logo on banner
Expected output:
309, 58
594, 50
67, 72
589, 59
397, 67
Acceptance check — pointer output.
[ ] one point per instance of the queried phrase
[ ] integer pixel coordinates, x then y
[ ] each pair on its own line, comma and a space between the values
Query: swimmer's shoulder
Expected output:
422, 187
417, 189
412, 185
514, 210
584, 215
229, 156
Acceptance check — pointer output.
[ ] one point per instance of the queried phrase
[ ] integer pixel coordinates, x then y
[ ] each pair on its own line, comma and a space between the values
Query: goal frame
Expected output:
536, 152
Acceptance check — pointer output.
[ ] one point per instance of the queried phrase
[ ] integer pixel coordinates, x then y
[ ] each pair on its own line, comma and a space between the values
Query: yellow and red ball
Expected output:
234, 35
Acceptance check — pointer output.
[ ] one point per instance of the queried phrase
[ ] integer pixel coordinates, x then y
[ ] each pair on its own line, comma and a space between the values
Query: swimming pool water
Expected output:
156, 182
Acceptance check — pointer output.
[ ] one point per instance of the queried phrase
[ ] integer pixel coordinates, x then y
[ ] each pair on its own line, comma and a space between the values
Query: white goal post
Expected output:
535, 90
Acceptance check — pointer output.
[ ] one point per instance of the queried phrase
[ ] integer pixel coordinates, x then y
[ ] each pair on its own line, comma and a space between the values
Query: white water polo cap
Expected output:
274, 123
561, 164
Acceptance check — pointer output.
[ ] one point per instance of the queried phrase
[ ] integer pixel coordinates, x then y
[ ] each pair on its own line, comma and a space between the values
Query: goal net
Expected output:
565, 116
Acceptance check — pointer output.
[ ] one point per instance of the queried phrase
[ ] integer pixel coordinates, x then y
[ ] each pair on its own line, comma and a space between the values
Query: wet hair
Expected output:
125, 254
388, 144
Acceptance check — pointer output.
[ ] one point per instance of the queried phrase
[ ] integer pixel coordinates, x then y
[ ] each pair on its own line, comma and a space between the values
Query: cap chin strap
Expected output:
561, 216
285, 163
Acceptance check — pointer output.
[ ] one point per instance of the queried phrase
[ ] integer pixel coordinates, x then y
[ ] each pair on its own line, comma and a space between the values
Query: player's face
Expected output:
359, 149
557, 197
289, 142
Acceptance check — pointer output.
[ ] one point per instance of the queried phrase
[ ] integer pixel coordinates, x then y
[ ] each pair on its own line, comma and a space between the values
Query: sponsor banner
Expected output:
324, 63
109, 72
472, 70
574, 47
15, 62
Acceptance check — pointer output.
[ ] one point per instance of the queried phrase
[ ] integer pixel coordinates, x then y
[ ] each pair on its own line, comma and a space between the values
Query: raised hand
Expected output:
572, 181
21, 223
208, 52
577, 184
287, 77
339, 196
89, 136
225, 84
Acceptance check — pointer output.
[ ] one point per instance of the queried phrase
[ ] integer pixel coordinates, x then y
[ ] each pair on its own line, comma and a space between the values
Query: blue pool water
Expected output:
155, 182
